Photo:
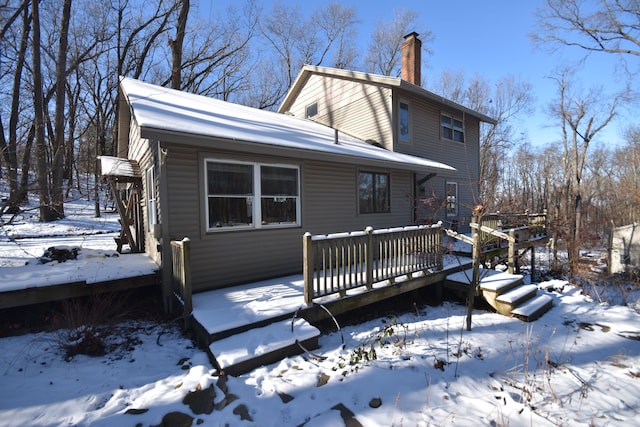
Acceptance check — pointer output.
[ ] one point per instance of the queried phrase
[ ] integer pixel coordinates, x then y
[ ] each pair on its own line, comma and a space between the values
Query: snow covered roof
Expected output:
168, 111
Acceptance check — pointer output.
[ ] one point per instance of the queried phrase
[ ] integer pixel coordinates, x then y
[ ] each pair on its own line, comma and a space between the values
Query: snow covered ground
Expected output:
577, 365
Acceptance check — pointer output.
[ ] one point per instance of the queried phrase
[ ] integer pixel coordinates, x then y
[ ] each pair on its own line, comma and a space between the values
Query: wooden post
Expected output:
511, 262
533, 262
369, 256
475, 278
307, 261
187, 292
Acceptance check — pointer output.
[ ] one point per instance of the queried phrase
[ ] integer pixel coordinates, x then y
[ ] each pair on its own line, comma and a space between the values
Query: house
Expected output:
401, 116
624, 249
244, 185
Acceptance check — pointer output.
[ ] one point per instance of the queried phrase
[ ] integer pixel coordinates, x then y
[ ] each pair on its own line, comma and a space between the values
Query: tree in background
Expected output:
384, 54
611, 26
582, 115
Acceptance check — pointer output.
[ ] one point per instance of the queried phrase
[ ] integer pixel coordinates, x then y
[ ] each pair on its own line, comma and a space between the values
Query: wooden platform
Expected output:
44, 294
239, 313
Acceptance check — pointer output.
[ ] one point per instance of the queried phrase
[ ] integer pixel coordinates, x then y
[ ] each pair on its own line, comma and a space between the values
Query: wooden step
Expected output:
505, 302
533, 308
245, 351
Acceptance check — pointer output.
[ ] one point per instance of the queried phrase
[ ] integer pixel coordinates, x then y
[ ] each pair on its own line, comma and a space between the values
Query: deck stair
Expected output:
244, 351
505, 292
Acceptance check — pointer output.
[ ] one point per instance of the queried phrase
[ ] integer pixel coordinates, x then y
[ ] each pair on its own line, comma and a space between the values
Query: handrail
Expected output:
336, 263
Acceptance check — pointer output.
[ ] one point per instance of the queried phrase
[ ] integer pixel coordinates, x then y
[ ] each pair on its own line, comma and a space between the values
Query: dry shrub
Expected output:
85, 323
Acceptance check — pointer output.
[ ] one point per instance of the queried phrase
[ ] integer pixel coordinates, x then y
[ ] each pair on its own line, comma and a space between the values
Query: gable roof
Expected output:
377, 80
182, 117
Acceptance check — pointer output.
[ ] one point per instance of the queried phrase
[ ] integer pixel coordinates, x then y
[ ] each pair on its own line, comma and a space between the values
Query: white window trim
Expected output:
256, 211
152, 200
448, 183
410, 137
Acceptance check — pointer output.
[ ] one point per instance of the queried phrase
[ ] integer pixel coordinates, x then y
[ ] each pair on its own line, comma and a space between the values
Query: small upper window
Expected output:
403, 122
452, 128
311, 110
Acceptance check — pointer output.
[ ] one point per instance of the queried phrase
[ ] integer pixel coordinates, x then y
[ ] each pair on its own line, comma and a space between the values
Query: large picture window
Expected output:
452, 128
251, 195
373, 192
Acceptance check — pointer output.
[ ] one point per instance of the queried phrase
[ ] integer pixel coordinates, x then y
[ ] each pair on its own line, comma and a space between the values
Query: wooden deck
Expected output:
45, 294
342, 272
224, 315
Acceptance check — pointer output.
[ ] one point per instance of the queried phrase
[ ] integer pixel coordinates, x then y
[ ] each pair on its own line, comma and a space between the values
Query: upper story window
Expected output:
311, 110
373, 192
403, 122
251, 195
452, 128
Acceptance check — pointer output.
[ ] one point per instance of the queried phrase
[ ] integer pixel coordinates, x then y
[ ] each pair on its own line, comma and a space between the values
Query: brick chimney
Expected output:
411, 58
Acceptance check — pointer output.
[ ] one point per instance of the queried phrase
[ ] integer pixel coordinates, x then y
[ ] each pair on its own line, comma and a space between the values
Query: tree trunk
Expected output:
57, 163
176, 46
10, 148
46, 213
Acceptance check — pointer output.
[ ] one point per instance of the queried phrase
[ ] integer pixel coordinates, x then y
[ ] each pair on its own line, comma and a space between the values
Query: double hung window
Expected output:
251, 195
452, 128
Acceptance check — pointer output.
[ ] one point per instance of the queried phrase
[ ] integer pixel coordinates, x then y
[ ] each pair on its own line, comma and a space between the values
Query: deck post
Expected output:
307, 263
186, 280
511, 262
533, 262
181, 266
475, 280
369, 249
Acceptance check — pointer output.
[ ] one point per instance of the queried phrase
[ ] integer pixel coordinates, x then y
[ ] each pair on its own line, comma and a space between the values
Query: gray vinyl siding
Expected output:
361, 110
328, 205
427, 142
143, 151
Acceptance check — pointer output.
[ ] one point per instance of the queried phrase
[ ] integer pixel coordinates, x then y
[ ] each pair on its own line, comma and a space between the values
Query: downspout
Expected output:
164, 242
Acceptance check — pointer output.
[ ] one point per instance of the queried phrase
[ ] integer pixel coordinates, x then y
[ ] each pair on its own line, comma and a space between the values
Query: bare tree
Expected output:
58, 143
297, 41
611, 26
9, 148
384, 52
46, 213
582, 116
176, 45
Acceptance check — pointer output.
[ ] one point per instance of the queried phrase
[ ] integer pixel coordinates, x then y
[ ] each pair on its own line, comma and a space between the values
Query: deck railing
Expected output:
181, 277
336, 263
526, 226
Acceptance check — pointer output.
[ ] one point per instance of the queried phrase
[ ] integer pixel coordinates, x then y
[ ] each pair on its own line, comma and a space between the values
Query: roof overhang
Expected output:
120, 169
375, 79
